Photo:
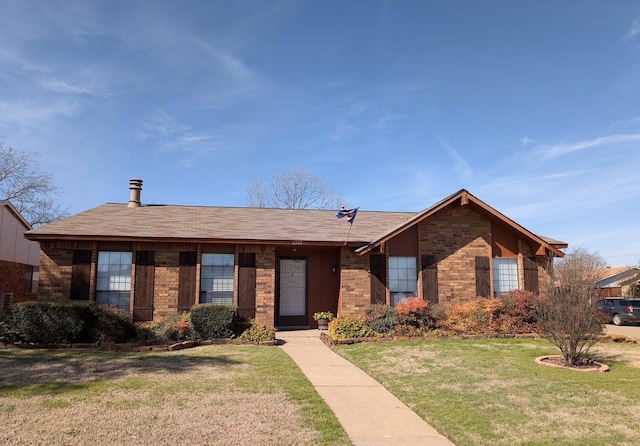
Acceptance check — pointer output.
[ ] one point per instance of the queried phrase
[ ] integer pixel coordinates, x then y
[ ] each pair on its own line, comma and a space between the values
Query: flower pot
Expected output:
323, 324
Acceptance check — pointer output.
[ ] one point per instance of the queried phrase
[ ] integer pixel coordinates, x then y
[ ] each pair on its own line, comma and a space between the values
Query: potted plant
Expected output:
323, 318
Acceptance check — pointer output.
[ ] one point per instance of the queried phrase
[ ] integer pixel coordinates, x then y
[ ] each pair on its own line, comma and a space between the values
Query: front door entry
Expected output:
292, 292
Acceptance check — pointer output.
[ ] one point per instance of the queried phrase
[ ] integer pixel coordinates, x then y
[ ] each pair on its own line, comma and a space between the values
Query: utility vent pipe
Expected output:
135, 186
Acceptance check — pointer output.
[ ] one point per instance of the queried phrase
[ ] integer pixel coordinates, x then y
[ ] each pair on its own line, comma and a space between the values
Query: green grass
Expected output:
65, 382
491, 392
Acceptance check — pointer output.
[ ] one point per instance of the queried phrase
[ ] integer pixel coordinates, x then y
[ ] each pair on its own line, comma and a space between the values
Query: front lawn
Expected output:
490, 392
213, 395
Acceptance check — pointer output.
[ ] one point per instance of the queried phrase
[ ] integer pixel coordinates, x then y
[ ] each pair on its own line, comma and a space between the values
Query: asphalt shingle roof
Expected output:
114, 220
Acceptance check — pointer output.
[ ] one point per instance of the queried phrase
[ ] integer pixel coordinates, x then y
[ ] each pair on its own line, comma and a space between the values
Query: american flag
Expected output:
350, 214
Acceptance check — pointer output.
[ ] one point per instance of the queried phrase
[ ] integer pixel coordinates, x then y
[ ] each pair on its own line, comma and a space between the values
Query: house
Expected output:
280, 266
19, 258
622, 281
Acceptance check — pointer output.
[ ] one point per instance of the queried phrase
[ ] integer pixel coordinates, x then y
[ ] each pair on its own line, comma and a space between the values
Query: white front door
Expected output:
293, 291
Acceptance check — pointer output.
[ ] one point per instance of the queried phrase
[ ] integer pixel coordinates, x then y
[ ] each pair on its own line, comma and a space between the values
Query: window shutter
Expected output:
378, 268
144, 286
80, 274
187, 280
247, 285
531, 275
188, 258
430, 279
483, 287
145, 258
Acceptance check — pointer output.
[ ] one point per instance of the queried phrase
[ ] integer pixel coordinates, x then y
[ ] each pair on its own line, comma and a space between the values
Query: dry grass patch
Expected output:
215, 395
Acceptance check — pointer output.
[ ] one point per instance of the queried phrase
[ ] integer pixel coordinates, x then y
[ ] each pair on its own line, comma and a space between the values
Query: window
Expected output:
216, 278
403, 278
31, 278
113, 283
505, 275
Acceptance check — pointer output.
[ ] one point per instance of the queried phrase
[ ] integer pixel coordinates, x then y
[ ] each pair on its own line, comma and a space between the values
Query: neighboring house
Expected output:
280, 266
19, 258
619, 281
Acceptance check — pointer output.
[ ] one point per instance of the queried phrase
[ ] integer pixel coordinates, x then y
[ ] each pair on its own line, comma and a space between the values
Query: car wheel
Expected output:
617, 319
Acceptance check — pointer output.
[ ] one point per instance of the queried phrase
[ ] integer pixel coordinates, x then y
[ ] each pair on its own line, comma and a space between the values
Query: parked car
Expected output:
620, 311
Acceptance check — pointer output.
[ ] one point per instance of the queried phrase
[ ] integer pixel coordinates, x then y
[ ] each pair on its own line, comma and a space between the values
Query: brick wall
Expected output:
56, 262
265, 283
12, 281
355, 282
455, 235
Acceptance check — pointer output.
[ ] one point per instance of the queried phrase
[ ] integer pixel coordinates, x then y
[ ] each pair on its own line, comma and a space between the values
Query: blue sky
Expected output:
534, 107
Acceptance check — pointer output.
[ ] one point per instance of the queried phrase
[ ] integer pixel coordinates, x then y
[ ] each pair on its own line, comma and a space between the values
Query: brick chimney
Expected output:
135, 186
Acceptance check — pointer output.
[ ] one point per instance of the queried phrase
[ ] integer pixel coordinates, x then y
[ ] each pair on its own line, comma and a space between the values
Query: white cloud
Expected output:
169, 134
461, 167
634, 30
525, 141
34, 114
556, 150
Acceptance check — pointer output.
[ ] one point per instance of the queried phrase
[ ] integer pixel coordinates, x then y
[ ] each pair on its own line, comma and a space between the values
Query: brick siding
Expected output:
12, 281
455, 235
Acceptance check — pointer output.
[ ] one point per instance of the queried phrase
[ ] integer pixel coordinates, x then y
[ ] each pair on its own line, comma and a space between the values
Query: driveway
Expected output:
626, 330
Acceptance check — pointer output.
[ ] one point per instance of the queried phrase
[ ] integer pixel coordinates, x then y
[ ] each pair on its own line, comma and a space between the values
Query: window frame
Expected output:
403, 278
115, 291
506, 275
224, 264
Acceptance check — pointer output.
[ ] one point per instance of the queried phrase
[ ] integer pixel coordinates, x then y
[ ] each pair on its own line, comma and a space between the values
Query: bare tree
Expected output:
293, 189
30, 191
567, 314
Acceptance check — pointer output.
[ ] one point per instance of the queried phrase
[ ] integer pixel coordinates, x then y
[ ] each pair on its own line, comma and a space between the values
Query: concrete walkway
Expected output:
368, 412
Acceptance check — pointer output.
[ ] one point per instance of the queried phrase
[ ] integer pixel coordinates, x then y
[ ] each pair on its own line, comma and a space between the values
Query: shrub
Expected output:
413, 312
412, 304
66, 322
47, 322
478, 316
212, 321
520, 308
258, 332
347, 327
176, 327
110, 324
380, 318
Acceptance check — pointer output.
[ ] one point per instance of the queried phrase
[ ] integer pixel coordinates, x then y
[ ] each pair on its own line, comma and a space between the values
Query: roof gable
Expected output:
464, 198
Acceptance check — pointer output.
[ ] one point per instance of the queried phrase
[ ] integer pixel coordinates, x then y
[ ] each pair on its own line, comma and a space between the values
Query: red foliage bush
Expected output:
521, 309
412, 304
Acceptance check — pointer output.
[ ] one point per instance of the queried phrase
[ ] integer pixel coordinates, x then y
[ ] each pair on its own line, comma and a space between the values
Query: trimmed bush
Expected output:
176, 327
213, 321
258, 332
44, 322
347, 327
380, 318
110, 324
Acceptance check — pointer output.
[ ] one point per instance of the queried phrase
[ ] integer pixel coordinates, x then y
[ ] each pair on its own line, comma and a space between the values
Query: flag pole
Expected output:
348, 233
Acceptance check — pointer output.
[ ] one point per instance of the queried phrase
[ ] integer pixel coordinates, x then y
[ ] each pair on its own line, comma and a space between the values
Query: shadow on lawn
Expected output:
69, 369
